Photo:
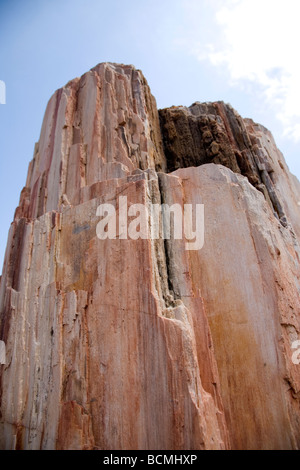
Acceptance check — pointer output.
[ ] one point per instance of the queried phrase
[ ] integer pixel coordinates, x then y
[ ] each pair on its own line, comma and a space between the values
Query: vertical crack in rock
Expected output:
171, 294
178, 319
159, 244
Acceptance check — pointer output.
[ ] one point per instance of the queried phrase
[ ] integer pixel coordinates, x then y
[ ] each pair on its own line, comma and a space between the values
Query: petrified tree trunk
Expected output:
142, 344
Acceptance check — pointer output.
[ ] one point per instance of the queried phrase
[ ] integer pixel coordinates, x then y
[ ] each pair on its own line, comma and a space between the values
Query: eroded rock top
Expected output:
105, 125
216, 133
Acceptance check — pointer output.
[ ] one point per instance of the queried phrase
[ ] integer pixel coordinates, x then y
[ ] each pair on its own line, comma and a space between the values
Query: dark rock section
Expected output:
216, 133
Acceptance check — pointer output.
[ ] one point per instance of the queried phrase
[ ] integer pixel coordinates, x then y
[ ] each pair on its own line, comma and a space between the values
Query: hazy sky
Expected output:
245, 52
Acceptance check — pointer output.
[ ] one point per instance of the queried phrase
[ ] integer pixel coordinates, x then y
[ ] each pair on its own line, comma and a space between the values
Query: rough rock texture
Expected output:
215, 133
142, 344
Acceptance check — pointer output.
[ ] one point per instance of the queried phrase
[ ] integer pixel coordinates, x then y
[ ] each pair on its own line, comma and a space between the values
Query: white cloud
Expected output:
258, 42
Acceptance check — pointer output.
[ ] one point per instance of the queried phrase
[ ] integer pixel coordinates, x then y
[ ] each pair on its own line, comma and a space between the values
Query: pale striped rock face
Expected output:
146, 342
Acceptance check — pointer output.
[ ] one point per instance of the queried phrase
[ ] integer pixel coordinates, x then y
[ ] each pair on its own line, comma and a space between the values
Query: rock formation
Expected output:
139, 343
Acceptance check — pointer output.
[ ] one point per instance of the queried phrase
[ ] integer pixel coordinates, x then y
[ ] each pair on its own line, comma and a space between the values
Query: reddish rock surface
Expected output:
142, 344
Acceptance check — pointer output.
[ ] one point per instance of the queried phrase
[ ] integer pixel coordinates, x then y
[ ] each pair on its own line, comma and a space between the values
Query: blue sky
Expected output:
244, 52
